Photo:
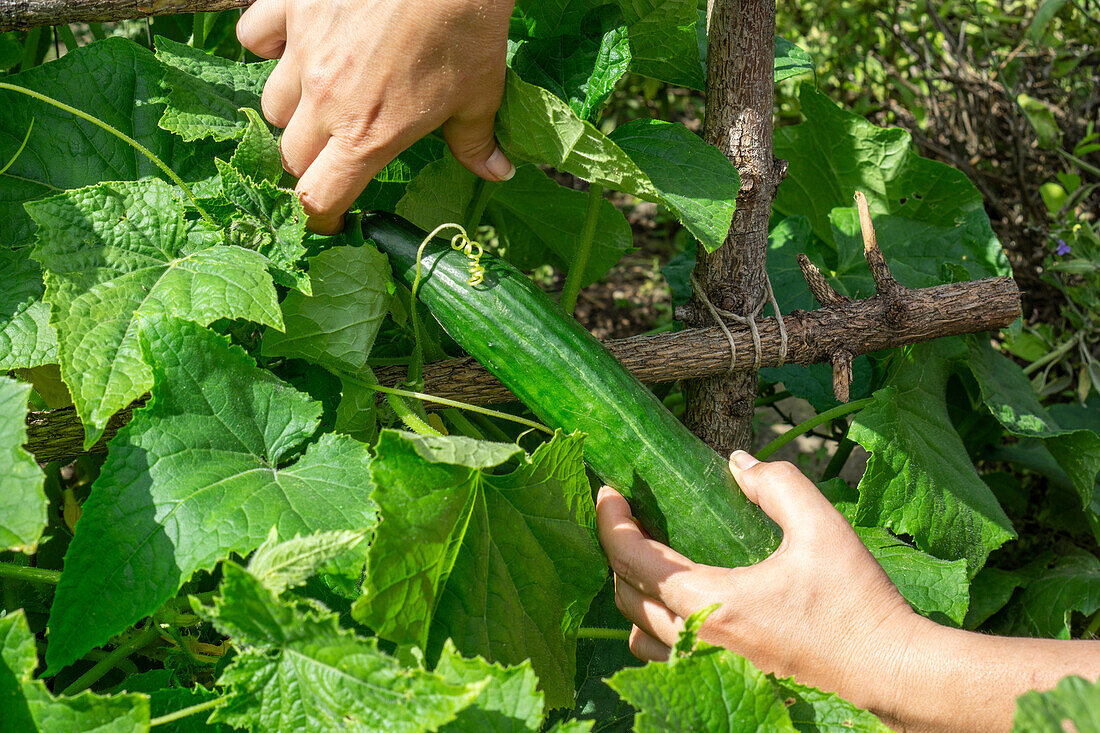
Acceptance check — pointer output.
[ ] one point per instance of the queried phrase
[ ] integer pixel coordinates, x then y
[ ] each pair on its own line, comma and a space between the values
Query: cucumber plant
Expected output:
275, 541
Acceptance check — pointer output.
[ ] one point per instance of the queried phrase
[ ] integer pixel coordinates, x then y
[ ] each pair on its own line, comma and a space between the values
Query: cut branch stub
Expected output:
842, 374
885, 284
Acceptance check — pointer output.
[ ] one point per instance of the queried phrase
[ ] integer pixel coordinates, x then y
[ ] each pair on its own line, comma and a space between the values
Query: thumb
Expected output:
473, 144
784, 493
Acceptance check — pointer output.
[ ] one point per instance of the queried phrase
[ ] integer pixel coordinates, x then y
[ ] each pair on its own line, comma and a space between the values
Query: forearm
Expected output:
944, 679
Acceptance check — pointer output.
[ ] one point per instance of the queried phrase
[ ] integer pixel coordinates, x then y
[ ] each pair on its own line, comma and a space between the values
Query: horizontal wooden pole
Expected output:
854, 327
22, 14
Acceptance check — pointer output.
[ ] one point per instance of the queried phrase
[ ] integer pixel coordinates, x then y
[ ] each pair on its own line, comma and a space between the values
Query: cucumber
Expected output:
680, 490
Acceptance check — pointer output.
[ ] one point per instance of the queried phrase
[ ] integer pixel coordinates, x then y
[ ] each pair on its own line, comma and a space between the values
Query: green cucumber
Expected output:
680, 490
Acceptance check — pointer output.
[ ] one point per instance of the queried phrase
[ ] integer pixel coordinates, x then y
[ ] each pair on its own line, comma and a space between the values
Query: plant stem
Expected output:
187, 712
590, 632
67, 37
147, 636
584, 249
117, 133
29, 574
836, 463
771, 399
461, 424
198, 31
30, 48
97, 31
408, 416
1058, 353
805, 427
483, 191
18, 152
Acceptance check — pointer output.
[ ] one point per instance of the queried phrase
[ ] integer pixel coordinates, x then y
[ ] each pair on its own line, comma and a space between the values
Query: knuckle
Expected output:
774, 471
321, 83
625, 562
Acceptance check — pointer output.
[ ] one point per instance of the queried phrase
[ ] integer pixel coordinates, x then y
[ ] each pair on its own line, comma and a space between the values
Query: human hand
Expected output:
358, 81
819, 609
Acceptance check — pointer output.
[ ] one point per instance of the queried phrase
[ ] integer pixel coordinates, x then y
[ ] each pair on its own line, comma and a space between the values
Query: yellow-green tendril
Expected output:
172, 176
20, 150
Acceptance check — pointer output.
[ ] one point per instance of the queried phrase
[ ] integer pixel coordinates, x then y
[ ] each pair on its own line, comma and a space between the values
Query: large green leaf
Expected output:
300, 671
336, 326
509, 703
119, 82
26, 706
537, 219
815, 711
535, 126
711, 689
936, 588
695, 179
26, 337
580, 69
211, 463
506, 563
207, 92
1008, 393
22, 499
1074, 704
1071, 585
919, 480
117, 253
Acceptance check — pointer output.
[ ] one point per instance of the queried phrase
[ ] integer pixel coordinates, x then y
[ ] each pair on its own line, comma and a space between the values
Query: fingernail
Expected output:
500, 166
743, 460
604, 490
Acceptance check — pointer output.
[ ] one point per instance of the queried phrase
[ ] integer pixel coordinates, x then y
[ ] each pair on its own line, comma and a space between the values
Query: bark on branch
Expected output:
850, 327
22, 14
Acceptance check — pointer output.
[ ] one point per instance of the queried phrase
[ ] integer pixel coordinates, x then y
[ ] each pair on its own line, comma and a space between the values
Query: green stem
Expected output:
147, 636
805, 427
483, 191
187, 712
97, 31
408, 416
589, 632
461, 424
29, 574
117, 133
198, 31
30, 48
67, 37
771, 399
491, 430
18, 152
584, 249
448, 403
1080, 163
1058, 353
836, 463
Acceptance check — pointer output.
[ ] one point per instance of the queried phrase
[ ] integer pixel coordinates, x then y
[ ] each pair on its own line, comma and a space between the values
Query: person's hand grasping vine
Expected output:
358, 82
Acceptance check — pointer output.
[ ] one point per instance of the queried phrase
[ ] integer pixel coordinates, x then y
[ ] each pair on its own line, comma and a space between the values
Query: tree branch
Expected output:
852, 327
23, 14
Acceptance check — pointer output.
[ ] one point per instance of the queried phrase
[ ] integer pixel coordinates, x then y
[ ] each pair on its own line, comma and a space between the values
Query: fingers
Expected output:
473, 144
302, 141
652, 568
649, 615
785, 495
646, 648
338, 174
262, 28
282, 93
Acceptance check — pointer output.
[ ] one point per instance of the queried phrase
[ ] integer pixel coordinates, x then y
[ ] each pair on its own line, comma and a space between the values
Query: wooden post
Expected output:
740, 100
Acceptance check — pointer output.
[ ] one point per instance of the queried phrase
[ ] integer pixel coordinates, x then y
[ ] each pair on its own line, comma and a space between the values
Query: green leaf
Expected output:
537, 220
22, 498
281, 565
118, 253
268, 219
1072, 584
509, 703
536, 126
207, 92
387, 188
357, 413
790, 60
712, 690
935, 588
504, 562
919, 480
1074, 704
336, 326
990, 590
834, 153
1010, 397
258, 156
166, 696
27, 706
212, 462
300, 671
814, 711
580, 69
696, 179
26, 337
115, 80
